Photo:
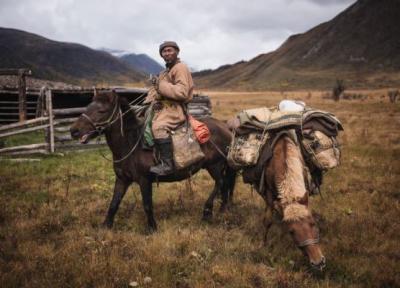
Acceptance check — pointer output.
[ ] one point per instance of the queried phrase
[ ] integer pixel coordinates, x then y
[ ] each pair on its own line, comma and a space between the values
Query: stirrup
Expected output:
162, 169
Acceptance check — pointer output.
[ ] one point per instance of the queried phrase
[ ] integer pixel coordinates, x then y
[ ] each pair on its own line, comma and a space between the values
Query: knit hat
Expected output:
168, 44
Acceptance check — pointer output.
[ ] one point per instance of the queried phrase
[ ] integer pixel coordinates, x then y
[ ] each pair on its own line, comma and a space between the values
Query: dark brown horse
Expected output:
112, 115
286, 191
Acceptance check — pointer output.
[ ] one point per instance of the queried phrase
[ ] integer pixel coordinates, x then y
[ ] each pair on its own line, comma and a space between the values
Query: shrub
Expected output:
393, 94
338, 89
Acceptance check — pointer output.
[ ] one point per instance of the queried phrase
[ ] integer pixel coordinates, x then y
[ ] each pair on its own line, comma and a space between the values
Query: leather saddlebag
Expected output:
321, 150
186, 148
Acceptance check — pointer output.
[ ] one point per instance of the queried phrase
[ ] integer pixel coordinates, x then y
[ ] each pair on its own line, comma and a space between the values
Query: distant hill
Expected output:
360, 45
67, 62
138, 62
143, 63
114, 52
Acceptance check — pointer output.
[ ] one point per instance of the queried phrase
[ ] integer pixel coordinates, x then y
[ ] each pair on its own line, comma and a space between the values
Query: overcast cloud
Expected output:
210, 33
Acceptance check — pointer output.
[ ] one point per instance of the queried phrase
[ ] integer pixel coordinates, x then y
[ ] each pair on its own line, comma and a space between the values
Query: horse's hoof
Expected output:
151, 230
207, 217
107, 225
223, 209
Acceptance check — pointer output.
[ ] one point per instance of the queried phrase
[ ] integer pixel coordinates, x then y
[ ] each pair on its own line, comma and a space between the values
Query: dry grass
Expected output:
51, 211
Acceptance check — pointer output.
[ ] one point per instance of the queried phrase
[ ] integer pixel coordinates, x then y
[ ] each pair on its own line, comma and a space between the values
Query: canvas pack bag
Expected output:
186, 147
245, 149
322, 151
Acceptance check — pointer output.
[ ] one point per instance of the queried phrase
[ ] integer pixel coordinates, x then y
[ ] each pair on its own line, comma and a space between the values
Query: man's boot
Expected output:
164, 147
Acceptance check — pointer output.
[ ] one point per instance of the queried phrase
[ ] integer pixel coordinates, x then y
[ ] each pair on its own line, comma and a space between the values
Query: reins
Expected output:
99, 127
127, 155
107, 123
217, 148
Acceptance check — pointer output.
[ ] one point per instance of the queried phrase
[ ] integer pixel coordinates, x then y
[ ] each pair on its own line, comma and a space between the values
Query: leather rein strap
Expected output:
100, 126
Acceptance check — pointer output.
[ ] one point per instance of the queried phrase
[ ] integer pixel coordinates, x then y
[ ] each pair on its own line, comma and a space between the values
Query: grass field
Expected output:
51, 211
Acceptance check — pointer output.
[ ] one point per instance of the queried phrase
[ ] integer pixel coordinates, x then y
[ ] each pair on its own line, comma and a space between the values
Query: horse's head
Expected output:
98, 115
305, 234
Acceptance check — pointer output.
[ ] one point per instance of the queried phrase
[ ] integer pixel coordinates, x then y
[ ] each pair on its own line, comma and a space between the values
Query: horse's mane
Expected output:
295, 212
130, 117
291, 187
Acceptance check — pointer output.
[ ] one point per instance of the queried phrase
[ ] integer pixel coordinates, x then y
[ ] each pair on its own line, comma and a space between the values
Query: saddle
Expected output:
314, 131
186, 140
186, 147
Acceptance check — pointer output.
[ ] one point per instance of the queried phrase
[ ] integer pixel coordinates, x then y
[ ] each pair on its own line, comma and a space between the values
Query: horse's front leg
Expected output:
147, 198
120, 188
267, 221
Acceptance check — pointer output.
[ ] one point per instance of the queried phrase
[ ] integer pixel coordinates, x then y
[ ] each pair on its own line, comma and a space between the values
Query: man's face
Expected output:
169, 54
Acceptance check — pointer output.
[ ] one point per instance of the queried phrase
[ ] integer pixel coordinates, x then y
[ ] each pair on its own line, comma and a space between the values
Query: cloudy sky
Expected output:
210, 33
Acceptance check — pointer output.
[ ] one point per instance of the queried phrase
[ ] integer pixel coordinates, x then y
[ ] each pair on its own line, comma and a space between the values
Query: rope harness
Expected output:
308, 242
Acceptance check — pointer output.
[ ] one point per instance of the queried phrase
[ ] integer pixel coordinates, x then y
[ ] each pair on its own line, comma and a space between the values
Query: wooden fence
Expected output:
23, 104
10, 108
56, 122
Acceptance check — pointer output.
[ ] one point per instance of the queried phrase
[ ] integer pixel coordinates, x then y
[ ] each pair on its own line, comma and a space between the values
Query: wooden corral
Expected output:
22, 99
54, 110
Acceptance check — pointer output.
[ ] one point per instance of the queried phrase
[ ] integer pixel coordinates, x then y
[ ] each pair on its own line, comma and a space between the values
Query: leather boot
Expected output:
164, 147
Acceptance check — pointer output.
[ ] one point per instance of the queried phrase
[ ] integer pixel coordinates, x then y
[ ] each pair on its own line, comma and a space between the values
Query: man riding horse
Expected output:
171, 90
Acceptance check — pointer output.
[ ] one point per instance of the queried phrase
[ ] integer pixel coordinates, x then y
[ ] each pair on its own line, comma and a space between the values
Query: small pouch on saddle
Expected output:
187, 150
321, 150
245, 149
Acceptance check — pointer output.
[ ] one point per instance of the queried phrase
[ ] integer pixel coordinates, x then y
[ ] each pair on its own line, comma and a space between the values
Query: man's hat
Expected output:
168, 44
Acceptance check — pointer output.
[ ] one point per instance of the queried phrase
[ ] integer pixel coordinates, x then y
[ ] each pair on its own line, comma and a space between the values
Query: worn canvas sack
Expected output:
245, 149
323, 151
186, 148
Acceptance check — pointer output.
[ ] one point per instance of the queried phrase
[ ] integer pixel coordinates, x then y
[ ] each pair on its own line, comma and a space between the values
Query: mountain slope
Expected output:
360, 45
143, 63
138, 62
61, 61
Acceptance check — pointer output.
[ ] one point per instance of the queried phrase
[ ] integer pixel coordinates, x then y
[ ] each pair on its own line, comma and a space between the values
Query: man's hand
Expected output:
159, 96
154, 81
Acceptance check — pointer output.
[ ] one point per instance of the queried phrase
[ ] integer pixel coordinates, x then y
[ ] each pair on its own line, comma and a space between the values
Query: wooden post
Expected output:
22, 95
49, 108
41, 102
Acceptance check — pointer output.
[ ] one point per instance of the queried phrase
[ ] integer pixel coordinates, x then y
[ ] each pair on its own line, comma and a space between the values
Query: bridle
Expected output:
99, 127
308, 242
